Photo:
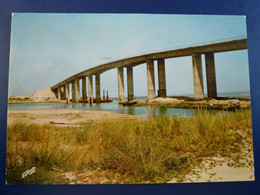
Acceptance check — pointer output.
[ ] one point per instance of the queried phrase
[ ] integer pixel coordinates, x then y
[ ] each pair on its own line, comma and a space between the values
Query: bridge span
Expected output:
62, 89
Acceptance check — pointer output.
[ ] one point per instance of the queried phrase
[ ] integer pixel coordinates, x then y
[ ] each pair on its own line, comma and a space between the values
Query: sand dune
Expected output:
39, 96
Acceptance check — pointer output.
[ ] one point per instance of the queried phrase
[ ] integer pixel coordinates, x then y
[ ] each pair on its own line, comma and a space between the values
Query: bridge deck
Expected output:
226, 46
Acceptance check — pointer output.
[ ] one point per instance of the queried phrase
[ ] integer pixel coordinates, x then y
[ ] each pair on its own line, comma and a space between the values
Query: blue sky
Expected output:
48, 48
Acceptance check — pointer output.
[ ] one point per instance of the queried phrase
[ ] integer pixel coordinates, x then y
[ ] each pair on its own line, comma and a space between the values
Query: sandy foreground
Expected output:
220, 169
237, 167
66, 117
211, 169
215, 169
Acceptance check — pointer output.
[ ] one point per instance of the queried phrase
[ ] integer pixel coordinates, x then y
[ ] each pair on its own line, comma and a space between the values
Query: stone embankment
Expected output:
231, 104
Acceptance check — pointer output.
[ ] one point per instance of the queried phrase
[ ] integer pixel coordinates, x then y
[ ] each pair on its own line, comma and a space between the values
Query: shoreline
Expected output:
67, 117
229, 104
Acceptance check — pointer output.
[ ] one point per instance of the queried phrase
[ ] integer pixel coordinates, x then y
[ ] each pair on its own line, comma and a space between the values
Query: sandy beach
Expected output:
222, 169
66, 117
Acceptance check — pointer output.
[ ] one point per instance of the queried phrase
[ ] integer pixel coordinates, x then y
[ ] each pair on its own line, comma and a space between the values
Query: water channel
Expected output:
113, 107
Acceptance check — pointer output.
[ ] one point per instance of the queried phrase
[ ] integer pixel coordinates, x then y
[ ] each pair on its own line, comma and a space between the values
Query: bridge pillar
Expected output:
62, 92
211, 75
84, 89
59, 93
98, 99
130, 83
197, 76
75, 90
90, 89
161, 78
120, 82
67, 90
150, 79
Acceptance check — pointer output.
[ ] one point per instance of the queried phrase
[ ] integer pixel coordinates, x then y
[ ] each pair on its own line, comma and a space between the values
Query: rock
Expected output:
129, 103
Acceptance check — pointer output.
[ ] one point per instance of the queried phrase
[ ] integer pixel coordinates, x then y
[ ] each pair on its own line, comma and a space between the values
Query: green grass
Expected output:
151, 151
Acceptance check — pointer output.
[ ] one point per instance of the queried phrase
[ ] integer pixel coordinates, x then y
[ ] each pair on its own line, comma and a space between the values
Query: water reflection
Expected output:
161, 111
114, 107
131, 111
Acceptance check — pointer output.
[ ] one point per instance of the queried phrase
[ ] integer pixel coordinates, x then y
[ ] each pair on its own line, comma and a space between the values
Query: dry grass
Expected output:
149, 151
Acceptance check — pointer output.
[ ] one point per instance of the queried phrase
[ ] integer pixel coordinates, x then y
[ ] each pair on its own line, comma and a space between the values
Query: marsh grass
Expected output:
149, 151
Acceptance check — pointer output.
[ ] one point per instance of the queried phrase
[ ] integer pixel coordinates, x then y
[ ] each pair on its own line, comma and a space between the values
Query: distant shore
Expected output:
230, 104
220, 103
34, 102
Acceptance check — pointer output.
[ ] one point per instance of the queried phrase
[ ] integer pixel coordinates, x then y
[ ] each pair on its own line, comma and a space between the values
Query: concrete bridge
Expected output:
62, 89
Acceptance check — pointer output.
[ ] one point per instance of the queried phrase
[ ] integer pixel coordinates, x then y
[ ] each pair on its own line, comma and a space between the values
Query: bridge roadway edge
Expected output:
226, 46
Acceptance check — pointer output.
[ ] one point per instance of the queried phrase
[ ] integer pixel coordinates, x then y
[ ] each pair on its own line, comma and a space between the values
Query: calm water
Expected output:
113, 107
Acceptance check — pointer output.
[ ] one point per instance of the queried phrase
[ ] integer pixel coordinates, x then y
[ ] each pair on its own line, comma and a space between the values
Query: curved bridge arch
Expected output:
62, 89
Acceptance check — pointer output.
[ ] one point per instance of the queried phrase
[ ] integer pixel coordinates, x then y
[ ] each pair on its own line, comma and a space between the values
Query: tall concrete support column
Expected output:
161, 78
98, 99
59, 93
90, 89
150, 79
67, 91
211, 75
130, 83
75, 90
63, 93
197, 76
84, 88
120, 81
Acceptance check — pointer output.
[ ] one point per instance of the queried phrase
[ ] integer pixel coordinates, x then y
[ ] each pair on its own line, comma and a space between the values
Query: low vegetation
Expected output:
152, 151
190, 103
